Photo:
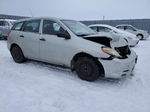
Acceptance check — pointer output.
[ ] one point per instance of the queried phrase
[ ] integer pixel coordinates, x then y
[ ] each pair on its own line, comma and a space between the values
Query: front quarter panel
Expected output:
81, 45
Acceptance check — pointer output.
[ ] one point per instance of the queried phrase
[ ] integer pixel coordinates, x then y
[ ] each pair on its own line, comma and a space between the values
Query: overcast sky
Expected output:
78, 9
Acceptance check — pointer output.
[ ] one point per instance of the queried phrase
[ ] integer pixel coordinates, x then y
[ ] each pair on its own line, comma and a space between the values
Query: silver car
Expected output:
141, 34
131, 38
71, 44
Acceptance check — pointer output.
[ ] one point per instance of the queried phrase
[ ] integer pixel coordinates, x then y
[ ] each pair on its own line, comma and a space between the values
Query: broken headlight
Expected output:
110, 51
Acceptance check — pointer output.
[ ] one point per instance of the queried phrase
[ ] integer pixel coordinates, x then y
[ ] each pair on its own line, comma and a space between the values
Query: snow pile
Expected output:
37, 87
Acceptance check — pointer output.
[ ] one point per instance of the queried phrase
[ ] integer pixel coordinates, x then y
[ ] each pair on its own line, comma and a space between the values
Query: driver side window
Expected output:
51, 27
130, 28
104, 29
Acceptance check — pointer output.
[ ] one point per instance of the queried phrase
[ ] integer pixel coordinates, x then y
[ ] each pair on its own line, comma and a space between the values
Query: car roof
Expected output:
124, 25
35, 18
103, 25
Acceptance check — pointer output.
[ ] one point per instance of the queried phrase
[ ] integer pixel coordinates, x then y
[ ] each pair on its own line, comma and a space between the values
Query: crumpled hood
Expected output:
103, 34
107, 39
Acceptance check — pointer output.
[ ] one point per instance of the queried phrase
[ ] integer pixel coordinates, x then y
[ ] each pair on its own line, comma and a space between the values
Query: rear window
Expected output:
17, 26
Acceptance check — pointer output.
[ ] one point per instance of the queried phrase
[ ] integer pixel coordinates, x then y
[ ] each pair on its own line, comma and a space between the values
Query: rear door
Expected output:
29, 38
130, 29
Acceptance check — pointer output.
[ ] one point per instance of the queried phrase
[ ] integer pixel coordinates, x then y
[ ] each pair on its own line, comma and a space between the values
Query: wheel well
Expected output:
139, 34
82, 54
13, 46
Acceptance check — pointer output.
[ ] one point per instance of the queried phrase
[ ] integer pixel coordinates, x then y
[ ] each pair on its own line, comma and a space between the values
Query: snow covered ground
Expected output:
37, 87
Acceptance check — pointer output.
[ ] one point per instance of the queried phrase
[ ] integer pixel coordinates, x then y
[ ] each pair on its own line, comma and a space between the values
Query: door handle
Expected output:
22, 36
42, 39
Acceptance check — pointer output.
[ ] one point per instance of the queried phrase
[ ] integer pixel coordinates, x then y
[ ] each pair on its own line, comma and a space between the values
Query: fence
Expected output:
3, 16
143, 24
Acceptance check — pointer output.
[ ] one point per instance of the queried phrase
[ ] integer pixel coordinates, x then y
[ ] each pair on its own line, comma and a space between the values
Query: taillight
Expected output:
8, 32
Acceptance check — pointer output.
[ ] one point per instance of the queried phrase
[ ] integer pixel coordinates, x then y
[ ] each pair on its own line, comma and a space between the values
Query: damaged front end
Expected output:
116, 47
121, 60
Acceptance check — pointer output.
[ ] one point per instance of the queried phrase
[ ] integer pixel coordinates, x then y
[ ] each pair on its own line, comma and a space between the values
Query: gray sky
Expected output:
78, 9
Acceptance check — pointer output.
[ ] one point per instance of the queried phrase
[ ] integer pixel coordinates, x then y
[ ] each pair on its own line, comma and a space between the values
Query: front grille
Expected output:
123, 51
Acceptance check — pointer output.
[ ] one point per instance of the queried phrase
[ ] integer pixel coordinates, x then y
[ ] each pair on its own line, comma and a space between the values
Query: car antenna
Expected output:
31, 13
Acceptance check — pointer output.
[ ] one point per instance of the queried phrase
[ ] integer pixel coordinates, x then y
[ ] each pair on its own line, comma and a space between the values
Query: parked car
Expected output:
131, 38
71, 44
5, 26
141, 34
4, 32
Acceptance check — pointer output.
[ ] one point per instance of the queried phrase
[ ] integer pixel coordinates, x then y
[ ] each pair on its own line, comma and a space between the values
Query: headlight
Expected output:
110, 51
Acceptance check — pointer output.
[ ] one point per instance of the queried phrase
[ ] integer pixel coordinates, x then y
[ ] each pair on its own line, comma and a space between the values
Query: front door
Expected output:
53, 49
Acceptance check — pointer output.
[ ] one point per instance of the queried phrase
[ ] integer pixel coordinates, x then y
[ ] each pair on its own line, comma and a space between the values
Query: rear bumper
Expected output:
118, 68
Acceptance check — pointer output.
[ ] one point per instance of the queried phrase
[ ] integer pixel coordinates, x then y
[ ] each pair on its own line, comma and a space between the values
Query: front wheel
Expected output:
87, 69
140, 36
17, 54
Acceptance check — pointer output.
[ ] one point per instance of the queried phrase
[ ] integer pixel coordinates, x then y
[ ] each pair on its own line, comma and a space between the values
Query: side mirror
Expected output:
64, 34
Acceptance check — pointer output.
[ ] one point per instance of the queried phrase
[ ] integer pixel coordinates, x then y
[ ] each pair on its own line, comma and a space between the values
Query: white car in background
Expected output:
71, 44
131, 38
6, 23
141, 34
5, 26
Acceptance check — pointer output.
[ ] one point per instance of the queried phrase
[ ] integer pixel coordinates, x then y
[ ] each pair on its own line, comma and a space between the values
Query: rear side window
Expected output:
94, 28
17, 26
103, 29
130, 28
120, 27
32, 26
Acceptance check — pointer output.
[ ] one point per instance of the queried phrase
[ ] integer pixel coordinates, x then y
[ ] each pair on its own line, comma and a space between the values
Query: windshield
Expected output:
78, 28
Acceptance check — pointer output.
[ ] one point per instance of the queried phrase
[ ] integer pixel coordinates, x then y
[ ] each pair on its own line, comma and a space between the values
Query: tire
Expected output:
17, 54
87, 69
140, 36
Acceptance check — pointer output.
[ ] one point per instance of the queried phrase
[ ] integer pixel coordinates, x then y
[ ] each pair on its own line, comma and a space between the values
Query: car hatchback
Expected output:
71, 44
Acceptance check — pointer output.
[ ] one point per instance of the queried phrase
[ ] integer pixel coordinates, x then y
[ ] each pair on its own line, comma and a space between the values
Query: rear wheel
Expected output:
17, 54
87, 69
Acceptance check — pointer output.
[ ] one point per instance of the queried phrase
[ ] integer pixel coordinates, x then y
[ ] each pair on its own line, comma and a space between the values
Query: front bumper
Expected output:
3, 36
146, 36
118, 68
